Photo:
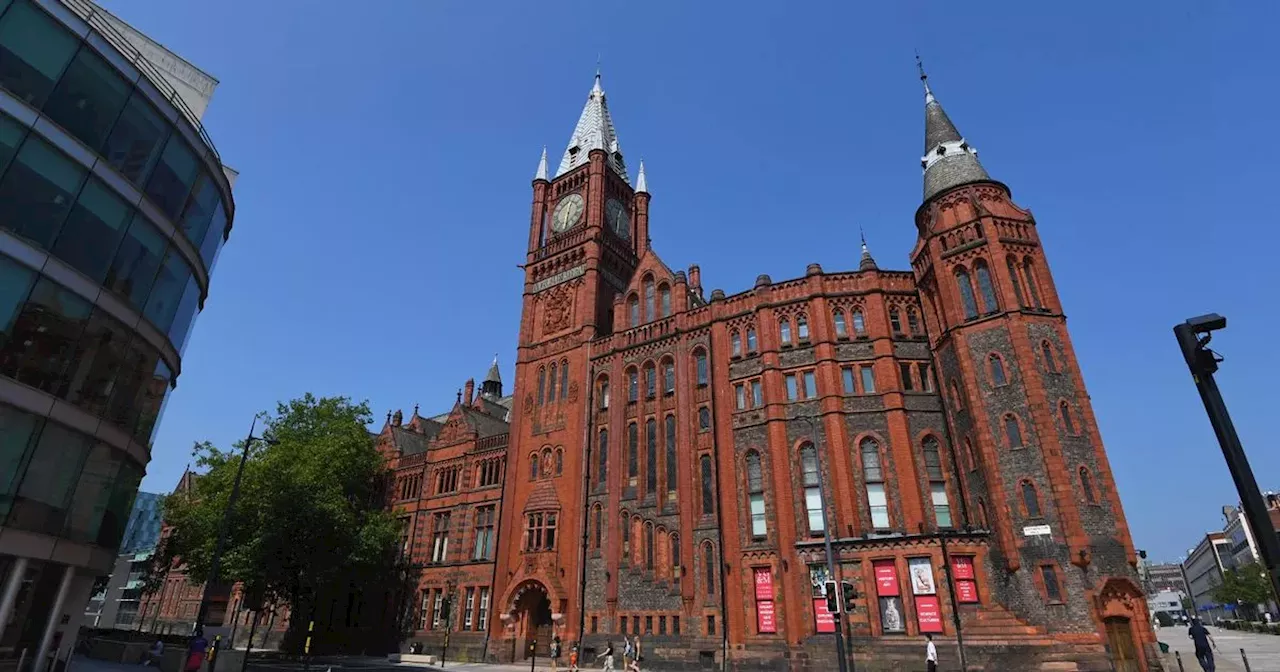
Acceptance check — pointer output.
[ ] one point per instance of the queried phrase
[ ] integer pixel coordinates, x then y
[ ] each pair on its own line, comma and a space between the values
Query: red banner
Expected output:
962, 567
966, 590
886, 578
929, 613
764, 617
826, 622
764, 583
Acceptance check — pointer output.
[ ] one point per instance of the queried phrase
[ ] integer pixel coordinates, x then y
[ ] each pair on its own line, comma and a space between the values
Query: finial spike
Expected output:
928, 95
541, 173
642, 185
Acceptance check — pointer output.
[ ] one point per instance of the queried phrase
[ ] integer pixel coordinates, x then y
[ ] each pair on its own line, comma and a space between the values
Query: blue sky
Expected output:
386, 150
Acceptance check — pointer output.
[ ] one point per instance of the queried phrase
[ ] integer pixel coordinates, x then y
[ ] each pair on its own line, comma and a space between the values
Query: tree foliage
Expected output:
309, 516
1247, 585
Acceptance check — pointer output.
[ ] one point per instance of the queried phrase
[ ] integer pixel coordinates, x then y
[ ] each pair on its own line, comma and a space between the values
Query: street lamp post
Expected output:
215, 564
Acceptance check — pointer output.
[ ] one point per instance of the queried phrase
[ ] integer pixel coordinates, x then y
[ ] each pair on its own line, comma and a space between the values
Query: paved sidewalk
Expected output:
1263, 650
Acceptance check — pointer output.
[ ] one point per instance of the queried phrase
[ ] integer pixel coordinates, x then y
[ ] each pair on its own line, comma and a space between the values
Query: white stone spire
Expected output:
594, 131
642, 187
542, 166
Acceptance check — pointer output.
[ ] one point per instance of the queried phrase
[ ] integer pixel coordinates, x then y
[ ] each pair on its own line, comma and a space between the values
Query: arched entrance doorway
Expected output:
1120, 638
533, 619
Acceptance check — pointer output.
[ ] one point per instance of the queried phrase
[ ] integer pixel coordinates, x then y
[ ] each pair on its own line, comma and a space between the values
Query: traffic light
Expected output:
833, 601
849, 593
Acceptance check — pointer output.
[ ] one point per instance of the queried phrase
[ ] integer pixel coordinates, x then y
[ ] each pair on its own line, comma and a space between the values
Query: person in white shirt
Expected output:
930, 655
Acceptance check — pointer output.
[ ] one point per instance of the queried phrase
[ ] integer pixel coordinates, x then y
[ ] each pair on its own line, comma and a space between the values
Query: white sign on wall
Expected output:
1036, 531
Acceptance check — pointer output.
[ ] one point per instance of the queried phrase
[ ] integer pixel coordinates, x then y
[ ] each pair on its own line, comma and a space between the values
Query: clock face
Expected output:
568, 212
615, 217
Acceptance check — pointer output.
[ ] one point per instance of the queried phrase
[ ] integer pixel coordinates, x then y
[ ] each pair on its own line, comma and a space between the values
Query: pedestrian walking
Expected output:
930, 654
555, 653
196, 648
627, 652
637, 656
608, 657
1204, 644
154, 654
573, 657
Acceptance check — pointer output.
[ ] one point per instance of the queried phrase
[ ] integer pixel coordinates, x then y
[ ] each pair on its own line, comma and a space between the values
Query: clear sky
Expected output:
386, 150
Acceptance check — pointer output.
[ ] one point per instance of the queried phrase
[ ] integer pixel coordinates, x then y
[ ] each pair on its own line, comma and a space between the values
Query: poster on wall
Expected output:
765, 620
891, 615
966, 591
929, 613
764, 583
962, 567
886, 577
921, 572
966, 580
825, 620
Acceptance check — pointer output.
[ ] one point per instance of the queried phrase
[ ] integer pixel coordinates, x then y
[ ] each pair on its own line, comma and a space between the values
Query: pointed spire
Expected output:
948, 161
492, 384
541, 173
493, 375
642, 187
867, 263
594, 131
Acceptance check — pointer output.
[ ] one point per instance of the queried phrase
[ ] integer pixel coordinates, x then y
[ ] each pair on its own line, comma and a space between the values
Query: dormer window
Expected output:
942, 149
573, 152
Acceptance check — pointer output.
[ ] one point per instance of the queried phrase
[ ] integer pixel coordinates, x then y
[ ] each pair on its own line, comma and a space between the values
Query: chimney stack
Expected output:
470, 390
695, 280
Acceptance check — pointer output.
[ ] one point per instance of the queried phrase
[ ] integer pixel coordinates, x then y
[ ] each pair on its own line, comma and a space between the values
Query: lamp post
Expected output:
215, 564
826, 538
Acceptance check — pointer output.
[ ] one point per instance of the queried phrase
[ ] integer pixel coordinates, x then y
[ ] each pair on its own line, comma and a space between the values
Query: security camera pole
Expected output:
1193, 337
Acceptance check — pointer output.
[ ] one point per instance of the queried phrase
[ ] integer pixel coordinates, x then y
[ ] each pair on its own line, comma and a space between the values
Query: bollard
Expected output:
1246, 661
1178, 656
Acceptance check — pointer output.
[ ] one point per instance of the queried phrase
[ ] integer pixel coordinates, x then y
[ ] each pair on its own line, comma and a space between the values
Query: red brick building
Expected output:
676, 458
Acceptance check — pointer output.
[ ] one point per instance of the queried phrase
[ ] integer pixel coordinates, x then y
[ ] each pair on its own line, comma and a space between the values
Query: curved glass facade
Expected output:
113, 209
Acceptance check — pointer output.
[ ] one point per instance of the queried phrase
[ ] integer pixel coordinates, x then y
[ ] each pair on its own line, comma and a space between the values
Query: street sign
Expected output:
1036, 531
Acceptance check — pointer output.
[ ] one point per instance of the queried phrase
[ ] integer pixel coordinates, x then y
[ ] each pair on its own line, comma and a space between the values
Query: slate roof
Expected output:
594, 131
948, 161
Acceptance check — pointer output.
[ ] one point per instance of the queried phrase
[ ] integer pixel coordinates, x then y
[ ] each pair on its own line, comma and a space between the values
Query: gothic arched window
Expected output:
602, 473
633, 385
1030, 500
651, 455
668, 377
802, 328
648, 545
784, 331
1017, 283
996, 365
700, 366
966, 294
986, 287
842, 330
551, 384
913, 322
671, 455
735, 340
1047, 350
1067, 423
564, 379
542, 381
708, 491
1086, 485
602, 392
751, 339
937, 482
709, 566
859, 322
664, 300
1012, 431
650, 380
895, 321
811, 482
633, 453
633, 311
648, 299
704, 418
1029, 269
873, 475
597, 525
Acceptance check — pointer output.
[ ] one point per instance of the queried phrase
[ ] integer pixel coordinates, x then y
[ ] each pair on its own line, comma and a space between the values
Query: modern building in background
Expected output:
114, 205
116, 602
1203, 570
1164, 577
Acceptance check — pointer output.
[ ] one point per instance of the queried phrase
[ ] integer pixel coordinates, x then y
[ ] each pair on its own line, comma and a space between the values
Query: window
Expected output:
422, 615
708, 491
42, 337
704, 418
88, 98
633, 311
671, 455
662, 625
802, 328
648, 546
172, 279
540, 531
602, 472
859, 323
624, 522
483, 616
895, 322
533, 466
1052, 590
551, 383
1030, 500
996, 365
913, 322
33, 51
1067, 423
675, 625
484, 529
755, 495
447, 480
846, 379
700, 367
986, 287
675, 556
595, 624
542, 381
468, 605
842, 329
810, 381
93, 230
173, 176
648, 625
198, 213
966, 294
137, 261
711, 624
633, 385
736, 340
873, 475
751, 339
136, 140
650, 381
1086, 485
664, 295
740, 396
784, 329
1029, 268
11, 135
559, 461
937, 484
633, 453
623, 624
812, 490
651, 455
440, 537
1017, 284
1012, 431
39, 188
793, 391
597, 526
926, 377
868, 380
957, 399
1049, 364
52, 470
435, 610
709, 567
602, 393
757, 394
904, 370
564, 379
669, 377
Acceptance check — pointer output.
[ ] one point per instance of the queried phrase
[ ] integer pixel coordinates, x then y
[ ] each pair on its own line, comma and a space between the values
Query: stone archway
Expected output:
1122, 612
531, 619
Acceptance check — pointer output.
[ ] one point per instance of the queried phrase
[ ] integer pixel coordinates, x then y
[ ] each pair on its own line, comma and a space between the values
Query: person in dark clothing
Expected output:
1204, 644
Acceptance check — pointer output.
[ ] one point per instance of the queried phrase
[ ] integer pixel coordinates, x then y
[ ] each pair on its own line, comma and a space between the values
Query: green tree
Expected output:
309, 524
1247, 585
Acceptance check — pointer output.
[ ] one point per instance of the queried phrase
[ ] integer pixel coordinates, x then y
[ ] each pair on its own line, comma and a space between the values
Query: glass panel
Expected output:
665, 293
123, 492
92, 233
708, 494
813, 504
651, 455
139, 370
671, 453
45, 492
15, 285
879, 506
809, 466
966, 295
871, 461
841, 329
987, 289
810, 385
102, 355
173, 176
784, 328
93, 493
36, 193
704, 418
603, 474
847, 375
751, 340
868, 380
11, 135
740, 394
941, 507
135, 142
200, 207
802, 328
859, 323
757, 394
737, 343
755, 477
44, 337
633, 312
18, 434
759, 527
633, 450
648, 301
151, 402
137, 261
701, 360
1013, 277
34, 49
188, 306
792, 391
88, 99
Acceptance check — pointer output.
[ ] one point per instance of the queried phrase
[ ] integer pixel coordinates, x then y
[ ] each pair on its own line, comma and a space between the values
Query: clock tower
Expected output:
588, 228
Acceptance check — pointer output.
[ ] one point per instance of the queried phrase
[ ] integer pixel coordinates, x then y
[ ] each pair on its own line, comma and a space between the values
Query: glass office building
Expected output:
114, 205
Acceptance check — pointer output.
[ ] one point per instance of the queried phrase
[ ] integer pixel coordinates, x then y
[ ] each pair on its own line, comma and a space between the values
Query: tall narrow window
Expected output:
842, 329
1067, 423
846, 378
602, 392
551, 384
751, 339
700, 367
810, 384
483, 615
651, 455
1047, 351
542, 381
564, 379
1012, 431
868, 380
740, 396
671, 455
755, 495
913, 322
735, 340
982, 512
1029, 268
708, 491
633, 385
926, 376
664, 300
709, 567
633, 453
1052, 589
895, 322
650, 381
859, 322
812, 490
1030, 500
873, 475
648, 300
784, 331
440, 537
757, 394
602, 474
937, 484
904, 371
668, 377
704, 419
997, 370
986, 287
966, 294
675, 556
802, 328
1086, 485
484, 533
469, 605
624, 523
648, 546
1017, 284
793, 390
633, 311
